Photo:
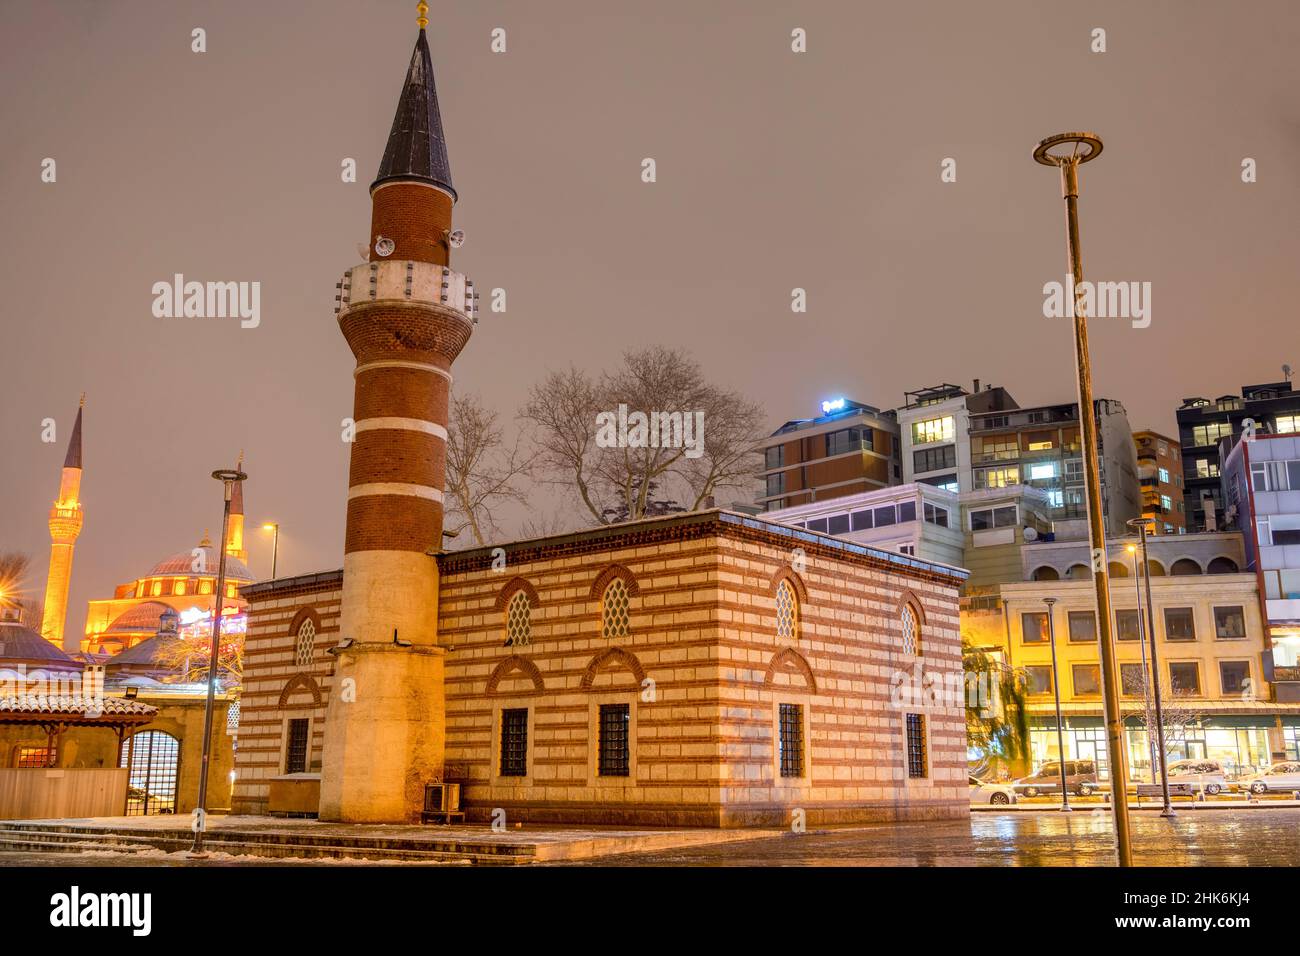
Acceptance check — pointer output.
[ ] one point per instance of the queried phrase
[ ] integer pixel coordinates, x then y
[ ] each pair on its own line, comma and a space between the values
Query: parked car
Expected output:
1280, 776
1080, 778
1204, 775
998, 794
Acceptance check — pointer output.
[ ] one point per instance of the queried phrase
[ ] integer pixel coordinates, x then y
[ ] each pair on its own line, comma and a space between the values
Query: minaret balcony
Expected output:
404, 280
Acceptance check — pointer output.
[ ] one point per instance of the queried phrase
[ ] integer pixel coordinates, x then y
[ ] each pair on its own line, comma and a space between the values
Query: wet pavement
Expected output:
1255, 837
1046, 838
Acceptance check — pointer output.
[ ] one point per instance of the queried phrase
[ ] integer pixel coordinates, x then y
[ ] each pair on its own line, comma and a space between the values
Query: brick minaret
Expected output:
406, 317
65, 525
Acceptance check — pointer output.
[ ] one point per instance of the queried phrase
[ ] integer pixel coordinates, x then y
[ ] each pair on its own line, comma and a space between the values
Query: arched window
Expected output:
911, 626
1185, 566
205, 586
787, 612
1046, 573
519, 627
1079, 572
306, 643
614, 609
1117, 569
1222, 565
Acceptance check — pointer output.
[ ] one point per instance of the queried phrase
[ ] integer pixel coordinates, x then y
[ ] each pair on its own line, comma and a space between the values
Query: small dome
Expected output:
19, 643
148, 653
142, 617
184, 563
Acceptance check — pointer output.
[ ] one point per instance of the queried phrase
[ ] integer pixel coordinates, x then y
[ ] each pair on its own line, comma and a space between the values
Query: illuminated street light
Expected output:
1062, 151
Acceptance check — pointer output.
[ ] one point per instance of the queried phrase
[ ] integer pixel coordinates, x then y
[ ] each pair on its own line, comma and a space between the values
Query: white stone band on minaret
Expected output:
402, 363
402, 424
395, 488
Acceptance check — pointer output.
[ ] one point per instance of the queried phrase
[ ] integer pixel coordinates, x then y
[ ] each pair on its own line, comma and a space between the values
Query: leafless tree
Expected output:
629, 479
483, 470
1180, 711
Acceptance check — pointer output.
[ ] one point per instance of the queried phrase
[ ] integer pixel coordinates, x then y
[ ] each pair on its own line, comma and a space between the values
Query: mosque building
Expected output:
705, 669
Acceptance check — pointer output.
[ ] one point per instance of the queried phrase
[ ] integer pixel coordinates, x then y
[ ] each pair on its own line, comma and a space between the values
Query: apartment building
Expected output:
1160, 474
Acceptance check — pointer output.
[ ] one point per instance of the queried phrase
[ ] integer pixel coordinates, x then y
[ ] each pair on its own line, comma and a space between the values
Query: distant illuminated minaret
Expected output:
235, 533
65, 525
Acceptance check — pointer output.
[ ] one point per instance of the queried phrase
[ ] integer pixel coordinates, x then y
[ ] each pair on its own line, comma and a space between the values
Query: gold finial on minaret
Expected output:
206, 541
239, 462
422, 8
83, 400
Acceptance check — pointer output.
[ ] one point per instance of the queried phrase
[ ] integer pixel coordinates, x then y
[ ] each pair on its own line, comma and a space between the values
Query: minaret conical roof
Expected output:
417, 148
73, 459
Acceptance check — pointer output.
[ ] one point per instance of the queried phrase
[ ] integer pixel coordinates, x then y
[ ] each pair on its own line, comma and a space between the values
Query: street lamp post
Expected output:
1056, 690
1068, 159
1146, 674
274, 528
228, 478
1168, 810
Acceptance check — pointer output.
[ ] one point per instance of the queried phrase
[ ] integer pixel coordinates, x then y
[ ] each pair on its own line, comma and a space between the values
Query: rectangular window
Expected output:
615, 754
1179, 624
843, 441
885, 516
986, 518
295, 746
936, 515
1128, 625
1131, 680
1229, 623
837, 524
1167, 503
1164, 475
997, 477
1206, 468
1087, 679
1210, 434
1033, 627
1083, 626
1043, 471
775, 485
790, 722
861, 520
916, 755
1185, 677
934, 459
906, 511
933, 429
1038, 679
774, 457
35, 757
817, 524
1286, 425
514, 742
1234, 677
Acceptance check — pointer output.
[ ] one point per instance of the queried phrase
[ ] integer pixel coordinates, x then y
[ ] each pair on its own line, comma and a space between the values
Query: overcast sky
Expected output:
776, 170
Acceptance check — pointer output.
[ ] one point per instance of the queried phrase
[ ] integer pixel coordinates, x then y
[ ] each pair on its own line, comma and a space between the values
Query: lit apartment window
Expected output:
1286, 424
997, 477
1164, 475
932, 429
1206, 468
790, 739
1083, 627
1210, 434
1033, 628
1087, 679
1166, 502
916, 756
1038, 680
615, 726
1043, 471
514, 742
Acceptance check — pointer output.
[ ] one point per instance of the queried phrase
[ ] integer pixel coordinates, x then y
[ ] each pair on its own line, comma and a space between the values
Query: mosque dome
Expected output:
183, 562
19, 643
142, 617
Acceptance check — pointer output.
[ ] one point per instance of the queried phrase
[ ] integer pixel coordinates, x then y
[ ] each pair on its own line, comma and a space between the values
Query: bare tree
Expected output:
1181, 712
483, 471
692, 439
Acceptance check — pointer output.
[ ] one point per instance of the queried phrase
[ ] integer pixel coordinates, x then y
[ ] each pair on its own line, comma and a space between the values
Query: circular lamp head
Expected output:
1068, 147
225, 474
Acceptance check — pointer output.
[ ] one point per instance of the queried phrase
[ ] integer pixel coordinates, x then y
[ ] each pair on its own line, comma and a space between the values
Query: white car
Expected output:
1280, 776
1204, 775
997, 794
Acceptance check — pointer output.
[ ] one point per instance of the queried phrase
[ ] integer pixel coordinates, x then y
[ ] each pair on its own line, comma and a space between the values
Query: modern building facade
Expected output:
1273, 407
982, 440
1160, 473
1261, 487
849, 448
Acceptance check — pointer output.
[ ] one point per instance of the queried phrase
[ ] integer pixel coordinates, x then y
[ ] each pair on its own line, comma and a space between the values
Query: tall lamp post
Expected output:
1063, 152
1168, 811
1056, 690
274, 528
1146, 674
228, 478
